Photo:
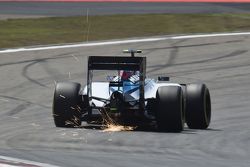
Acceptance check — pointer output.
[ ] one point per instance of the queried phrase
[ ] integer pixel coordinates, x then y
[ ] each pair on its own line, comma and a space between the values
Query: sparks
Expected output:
118, 128
112, 125
62, 96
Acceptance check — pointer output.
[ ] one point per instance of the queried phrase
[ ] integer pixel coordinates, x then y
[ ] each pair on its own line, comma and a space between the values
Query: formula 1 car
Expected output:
129, 98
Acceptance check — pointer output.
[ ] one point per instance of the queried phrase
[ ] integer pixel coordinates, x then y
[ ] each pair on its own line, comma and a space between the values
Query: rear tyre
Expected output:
169, 113
66, 105
198, 106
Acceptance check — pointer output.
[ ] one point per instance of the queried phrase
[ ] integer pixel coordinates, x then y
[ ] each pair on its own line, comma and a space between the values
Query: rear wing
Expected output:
118, 63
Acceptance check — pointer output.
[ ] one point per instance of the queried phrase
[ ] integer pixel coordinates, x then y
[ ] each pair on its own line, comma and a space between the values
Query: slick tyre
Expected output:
169, 112
66, 110
198, 106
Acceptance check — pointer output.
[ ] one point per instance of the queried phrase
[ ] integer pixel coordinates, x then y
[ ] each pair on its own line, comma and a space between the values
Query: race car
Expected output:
130, 98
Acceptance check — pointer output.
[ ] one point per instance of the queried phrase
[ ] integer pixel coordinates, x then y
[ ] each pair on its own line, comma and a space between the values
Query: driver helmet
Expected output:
125, 75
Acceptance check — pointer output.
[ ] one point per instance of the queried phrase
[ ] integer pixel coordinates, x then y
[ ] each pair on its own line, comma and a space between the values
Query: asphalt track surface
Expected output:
41, 9
28, 132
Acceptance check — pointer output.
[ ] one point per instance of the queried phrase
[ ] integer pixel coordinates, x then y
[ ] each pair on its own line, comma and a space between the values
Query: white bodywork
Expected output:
103, 91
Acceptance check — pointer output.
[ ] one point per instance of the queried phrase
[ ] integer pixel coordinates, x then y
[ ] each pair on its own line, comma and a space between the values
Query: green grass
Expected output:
54, 30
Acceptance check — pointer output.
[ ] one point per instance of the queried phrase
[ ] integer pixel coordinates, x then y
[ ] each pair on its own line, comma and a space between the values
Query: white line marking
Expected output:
25, 162
121, 42
210, 35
